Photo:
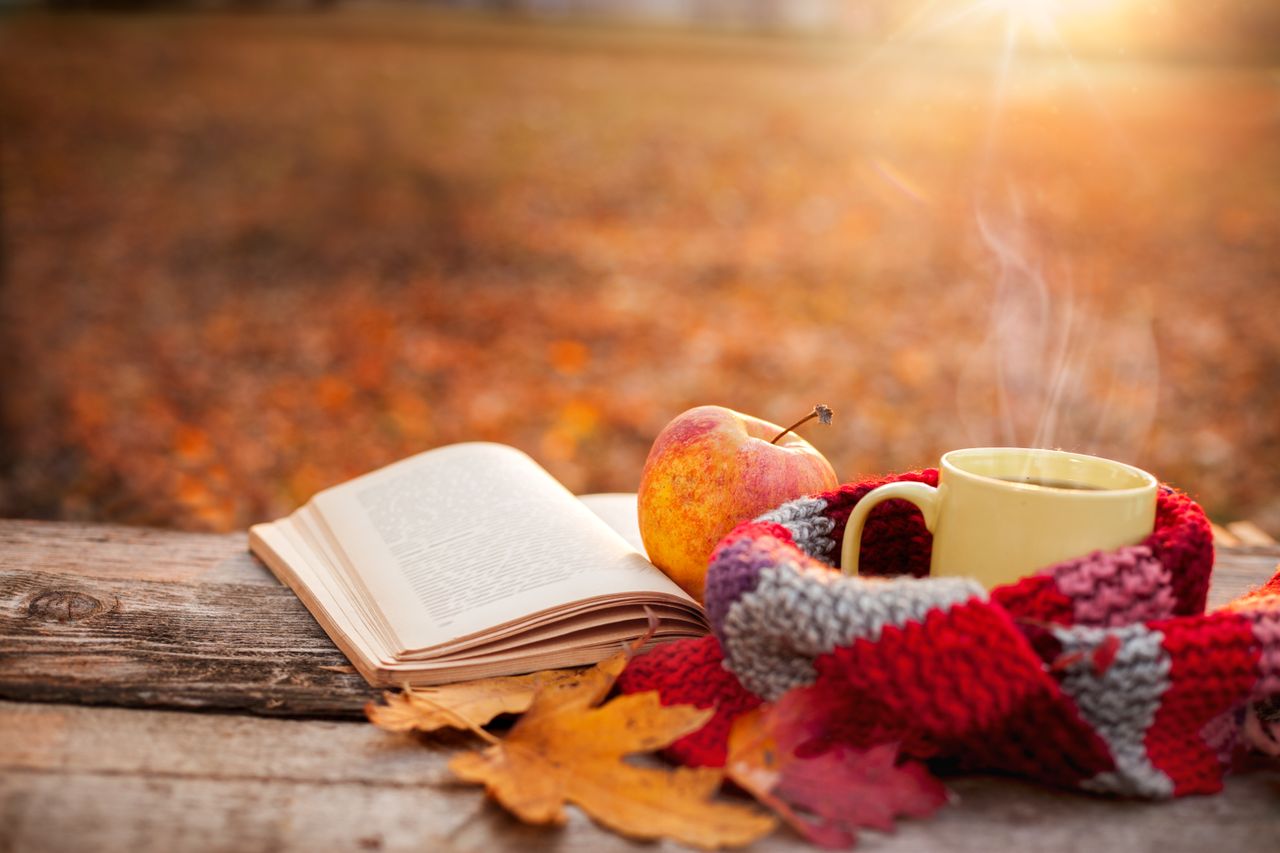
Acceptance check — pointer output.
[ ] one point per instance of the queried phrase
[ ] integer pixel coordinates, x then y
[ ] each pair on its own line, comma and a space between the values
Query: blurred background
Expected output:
252, 249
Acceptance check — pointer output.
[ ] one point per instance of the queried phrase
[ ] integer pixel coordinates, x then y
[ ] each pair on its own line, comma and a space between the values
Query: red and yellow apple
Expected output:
711, 468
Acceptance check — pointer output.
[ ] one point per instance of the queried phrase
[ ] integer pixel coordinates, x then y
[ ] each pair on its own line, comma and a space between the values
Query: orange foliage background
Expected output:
249, 257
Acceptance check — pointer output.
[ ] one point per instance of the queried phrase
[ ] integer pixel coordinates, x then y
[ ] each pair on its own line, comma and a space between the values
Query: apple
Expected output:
711, 468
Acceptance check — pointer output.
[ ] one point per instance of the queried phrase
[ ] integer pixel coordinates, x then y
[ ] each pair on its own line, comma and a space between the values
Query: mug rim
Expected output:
1149, 481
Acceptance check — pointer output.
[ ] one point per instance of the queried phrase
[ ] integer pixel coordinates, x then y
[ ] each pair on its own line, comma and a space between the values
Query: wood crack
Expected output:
444, 778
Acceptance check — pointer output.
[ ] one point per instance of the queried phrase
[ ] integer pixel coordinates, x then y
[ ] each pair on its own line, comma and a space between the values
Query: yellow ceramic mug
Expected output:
1000, 513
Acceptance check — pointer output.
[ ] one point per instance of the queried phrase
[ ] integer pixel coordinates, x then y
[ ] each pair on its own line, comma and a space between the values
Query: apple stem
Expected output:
821, 412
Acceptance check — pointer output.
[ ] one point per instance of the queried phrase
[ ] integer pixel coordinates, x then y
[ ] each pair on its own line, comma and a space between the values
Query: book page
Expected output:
289, 558
465, 538
619, 510
582, 638
306, 525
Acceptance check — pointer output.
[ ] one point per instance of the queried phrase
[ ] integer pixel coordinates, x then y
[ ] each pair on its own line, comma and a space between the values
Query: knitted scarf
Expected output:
1102, 672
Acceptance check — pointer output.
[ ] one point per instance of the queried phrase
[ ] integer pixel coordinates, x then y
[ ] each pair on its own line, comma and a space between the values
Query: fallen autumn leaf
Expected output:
463, 705
569, 748
825, 795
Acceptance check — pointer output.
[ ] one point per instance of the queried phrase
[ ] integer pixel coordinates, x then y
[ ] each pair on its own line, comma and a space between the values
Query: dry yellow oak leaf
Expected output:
569, 748
461, 706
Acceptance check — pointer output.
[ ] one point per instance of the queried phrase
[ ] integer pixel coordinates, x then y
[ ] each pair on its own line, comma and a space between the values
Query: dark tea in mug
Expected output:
1052, 484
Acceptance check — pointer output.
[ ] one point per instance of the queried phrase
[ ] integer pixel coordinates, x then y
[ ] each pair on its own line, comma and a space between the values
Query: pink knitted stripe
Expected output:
1113, 588
1262, 608
1266, 631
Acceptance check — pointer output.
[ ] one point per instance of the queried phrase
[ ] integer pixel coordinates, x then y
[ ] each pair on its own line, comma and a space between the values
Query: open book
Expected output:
470, 561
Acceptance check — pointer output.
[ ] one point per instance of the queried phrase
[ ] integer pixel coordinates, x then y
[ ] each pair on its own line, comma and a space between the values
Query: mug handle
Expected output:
925, 497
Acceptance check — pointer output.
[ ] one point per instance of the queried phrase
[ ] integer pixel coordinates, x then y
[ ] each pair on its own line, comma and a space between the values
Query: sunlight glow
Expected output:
1037, 15
1049, 21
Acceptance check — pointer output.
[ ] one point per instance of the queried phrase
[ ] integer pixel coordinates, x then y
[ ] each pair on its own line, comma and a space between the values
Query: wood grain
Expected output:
114, 551
114, 779
1239, 570
110, 615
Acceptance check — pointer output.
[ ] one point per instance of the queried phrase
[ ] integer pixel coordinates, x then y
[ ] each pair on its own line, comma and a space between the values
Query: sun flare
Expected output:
1055, 18
1038, 15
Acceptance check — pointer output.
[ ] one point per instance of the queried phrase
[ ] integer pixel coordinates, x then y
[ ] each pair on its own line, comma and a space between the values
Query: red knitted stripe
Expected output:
1035, 598
690, 672
966, 684
894, 538
1183, 541
1213, 666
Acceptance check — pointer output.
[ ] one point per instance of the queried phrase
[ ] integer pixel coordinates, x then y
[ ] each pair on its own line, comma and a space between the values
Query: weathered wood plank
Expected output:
217, 646
1239, 570
153, 619
114, 551
105, 779
142, 618
1250, 534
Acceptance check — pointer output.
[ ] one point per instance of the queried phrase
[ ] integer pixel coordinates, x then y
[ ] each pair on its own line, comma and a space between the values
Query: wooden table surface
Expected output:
161, 691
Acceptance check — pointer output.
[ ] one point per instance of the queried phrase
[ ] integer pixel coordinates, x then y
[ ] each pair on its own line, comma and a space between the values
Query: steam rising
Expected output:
1052, 372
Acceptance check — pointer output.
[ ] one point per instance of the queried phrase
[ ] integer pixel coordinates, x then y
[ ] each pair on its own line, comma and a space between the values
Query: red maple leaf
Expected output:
826, 791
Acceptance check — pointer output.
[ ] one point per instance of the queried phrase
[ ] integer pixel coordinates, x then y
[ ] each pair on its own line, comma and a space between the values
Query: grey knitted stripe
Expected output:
1120, 703
811, 530
795, 613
